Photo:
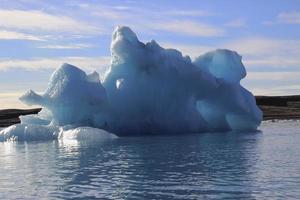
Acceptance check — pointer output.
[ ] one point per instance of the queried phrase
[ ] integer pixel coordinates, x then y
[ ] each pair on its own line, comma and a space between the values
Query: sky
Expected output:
38, 36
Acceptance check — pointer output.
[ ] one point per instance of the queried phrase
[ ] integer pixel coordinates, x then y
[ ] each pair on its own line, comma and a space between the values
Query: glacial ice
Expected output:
146, 90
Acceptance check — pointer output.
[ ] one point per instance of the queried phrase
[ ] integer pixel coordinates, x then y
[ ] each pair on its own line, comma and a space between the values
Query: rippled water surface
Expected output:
200, 166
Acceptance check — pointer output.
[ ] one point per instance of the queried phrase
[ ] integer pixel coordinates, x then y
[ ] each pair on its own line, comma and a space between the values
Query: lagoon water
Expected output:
258, 165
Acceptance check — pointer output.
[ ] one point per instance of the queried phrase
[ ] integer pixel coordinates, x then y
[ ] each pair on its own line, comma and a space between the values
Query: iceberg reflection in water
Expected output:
216, 165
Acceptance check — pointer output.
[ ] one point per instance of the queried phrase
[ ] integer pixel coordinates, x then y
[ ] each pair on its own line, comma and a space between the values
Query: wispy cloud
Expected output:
289, 17
9, 97
267, 52
275, 90
289, 89
107, 12
190, 28
10, 100
262, 46
191, 50
236, 23
67, 46
285, 18
274, 76
99, 64
12, 35
150, 20
273, 62
258, 51
38, 21
273, 83
189, 13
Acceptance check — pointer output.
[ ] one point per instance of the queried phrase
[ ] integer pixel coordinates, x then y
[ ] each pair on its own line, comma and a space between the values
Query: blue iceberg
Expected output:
146, 90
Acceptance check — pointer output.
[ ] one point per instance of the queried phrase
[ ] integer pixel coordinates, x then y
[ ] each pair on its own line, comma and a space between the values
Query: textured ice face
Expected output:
150, 90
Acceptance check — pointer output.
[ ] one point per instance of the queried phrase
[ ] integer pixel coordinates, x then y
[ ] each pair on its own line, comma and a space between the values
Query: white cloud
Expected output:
272, 83
236, 23
262, 46
267, 52
289, 88
189, 13
12, 35
274, 76
285, 18
38, 21
100, 64
289, 17
99, 18
107, 12
11, 100
263, 52
189, 28
275, 90
121, 8
274, 61
191, 50
151, 21
67, 46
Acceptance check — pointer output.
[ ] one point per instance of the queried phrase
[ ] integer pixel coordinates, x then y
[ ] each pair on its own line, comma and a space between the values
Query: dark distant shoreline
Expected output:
273, 107
279, 107
11, 116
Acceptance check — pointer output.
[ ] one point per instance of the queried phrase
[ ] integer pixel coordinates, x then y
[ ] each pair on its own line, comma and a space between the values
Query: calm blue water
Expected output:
263, 165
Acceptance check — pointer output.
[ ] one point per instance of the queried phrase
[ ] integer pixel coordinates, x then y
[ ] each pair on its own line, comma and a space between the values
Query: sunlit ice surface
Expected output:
252, 165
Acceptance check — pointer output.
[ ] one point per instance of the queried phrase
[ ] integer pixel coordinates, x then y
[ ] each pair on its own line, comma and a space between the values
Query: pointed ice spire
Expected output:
124, 33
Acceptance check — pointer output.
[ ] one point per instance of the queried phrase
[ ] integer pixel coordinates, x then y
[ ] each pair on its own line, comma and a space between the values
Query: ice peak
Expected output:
124, 32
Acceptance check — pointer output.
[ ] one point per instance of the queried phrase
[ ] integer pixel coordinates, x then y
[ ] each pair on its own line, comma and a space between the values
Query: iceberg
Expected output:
147, 90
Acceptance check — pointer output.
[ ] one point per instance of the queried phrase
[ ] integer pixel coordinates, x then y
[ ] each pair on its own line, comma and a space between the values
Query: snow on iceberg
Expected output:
149, 90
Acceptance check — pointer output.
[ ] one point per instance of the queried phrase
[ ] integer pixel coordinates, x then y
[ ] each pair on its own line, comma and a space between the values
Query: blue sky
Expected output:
38, 36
